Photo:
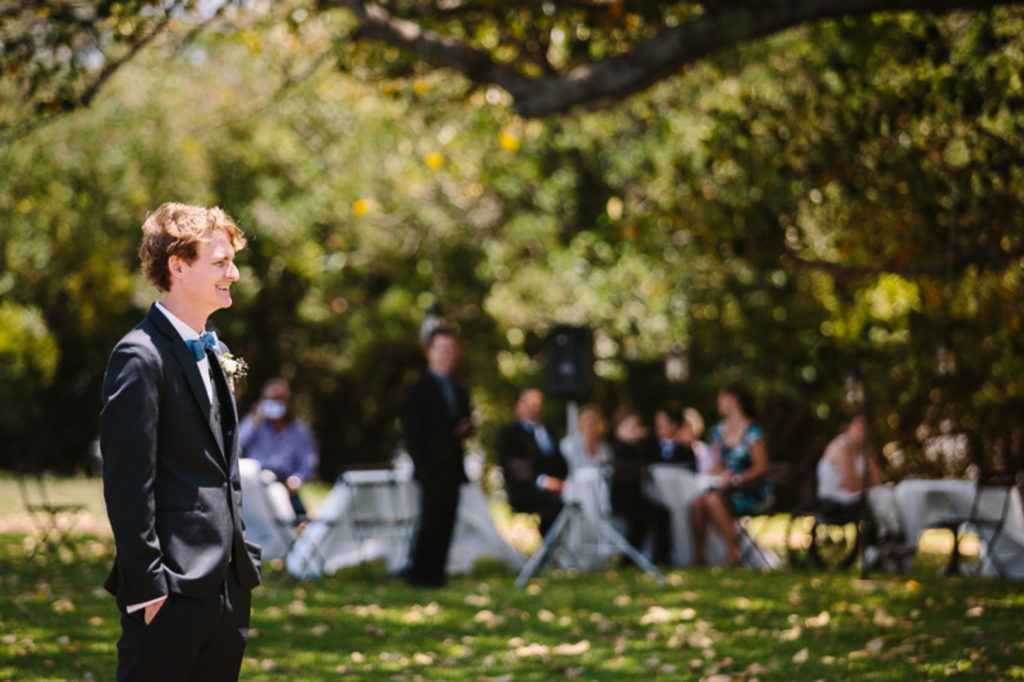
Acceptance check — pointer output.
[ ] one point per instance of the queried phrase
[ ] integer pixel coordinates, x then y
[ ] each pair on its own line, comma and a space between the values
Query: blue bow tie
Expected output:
199, 346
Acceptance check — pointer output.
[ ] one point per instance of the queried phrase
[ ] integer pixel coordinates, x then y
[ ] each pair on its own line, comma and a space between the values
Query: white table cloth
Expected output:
675, 488
920, 503
372, 514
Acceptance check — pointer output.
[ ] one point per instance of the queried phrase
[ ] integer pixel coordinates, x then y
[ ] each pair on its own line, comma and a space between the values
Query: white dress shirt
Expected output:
189, 334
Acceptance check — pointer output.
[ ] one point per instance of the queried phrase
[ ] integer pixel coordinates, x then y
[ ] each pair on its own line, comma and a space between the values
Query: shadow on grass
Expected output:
58, 624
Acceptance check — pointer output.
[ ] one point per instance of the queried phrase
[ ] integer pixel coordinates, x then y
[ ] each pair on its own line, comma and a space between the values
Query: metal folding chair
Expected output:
380, 509
53, 522
975, 521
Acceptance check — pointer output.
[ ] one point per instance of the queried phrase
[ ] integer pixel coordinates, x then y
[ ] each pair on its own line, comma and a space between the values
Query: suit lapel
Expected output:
190, 368
228, 411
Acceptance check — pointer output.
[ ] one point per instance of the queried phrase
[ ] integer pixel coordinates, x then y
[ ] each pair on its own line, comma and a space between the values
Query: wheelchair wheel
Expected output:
799, 539
833, 544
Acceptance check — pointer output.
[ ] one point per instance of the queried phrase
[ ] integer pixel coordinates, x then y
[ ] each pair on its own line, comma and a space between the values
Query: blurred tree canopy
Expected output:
845, 193
547, 56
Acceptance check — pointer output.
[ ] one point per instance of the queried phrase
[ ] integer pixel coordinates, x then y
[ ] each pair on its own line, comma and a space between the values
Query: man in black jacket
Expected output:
183, 571
435, 422
667, 422
534, 468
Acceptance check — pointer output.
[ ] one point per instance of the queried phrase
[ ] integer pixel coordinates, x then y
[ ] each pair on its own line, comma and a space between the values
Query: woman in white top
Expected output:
585, 448
841, 468
689, 435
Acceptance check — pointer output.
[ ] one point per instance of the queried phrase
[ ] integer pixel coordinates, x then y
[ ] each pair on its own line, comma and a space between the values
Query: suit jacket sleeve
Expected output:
129, 423
415, 428
517, 468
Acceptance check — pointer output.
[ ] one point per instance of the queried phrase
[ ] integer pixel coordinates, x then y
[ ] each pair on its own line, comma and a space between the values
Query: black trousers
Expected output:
193, 640
654, 519
439, 502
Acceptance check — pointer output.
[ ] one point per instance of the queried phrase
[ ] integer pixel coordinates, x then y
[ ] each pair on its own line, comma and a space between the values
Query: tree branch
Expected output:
981, 259
606, 81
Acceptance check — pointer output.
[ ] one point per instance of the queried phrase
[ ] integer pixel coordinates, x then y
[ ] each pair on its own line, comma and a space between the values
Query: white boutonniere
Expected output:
234, 367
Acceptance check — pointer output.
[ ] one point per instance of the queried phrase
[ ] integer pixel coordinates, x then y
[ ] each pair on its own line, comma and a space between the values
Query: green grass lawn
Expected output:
56, 623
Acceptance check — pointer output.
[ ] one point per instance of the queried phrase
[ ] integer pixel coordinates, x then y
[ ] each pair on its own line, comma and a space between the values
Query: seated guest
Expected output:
667, 422
633, 450
534, 469
689, 435
841, 468
586, 448
741, 463
279, 441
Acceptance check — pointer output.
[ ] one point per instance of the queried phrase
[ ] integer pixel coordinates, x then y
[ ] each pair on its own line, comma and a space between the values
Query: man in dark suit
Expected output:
667, 421
183, 571
435, 422
634, 451
534, 468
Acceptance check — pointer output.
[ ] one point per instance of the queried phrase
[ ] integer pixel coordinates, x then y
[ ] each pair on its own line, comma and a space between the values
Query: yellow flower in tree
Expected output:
508, 141
435, 160
361, 206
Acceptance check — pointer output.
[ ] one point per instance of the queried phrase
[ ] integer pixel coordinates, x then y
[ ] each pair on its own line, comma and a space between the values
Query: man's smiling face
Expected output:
206, 281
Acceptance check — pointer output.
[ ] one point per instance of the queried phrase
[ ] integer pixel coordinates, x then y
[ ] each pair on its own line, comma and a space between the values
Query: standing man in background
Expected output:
435, 422
183, 571
281, 442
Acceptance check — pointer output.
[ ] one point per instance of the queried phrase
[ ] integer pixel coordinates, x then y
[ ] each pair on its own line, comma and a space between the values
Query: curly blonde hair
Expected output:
176, 230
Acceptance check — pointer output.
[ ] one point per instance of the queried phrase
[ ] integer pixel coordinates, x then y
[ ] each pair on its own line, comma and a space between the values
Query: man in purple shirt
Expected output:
279, 441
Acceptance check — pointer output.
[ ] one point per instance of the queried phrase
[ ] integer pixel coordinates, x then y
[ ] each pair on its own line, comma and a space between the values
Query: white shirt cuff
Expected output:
138, 607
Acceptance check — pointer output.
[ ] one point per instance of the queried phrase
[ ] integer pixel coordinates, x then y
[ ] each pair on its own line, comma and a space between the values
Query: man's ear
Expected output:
175, 265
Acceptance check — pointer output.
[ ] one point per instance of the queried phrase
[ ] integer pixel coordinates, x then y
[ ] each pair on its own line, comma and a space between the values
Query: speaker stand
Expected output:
573, 512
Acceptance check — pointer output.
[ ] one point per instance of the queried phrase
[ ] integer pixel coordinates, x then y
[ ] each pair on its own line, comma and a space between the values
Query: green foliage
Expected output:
839, 194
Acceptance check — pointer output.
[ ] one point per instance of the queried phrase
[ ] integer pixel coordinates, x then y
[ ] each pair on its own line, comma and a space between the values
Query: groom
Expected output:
168, 433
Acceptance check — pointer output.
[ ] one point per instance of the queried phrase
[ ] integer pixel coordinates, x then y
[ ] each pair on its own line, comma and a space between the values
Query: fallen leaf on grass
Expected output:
791, 634
572, 649
656, 614
819, 621
488, 618
883, 618
533, 649
63, 606
478, 600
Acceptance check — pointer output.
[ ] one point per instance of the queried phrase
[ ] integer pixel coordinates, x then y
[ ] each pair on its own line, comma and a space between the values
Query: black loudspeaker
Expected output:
570, 362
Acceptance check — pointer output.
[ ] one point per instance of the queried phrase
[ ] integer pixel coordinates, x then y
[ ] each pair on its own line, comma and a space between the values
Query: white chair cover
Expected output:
338, 537
266, 510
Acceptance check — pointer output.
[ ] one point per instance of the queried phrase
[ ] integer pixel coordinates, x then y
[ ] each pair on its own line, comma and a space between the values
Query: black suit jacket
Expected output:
523, 461
681, 455
428, 426
170, 471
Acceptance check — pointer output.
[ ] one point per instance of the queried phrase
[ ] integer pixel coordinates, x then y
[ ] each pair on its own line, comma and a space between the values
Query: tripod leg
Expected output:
615, 537
553, 537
